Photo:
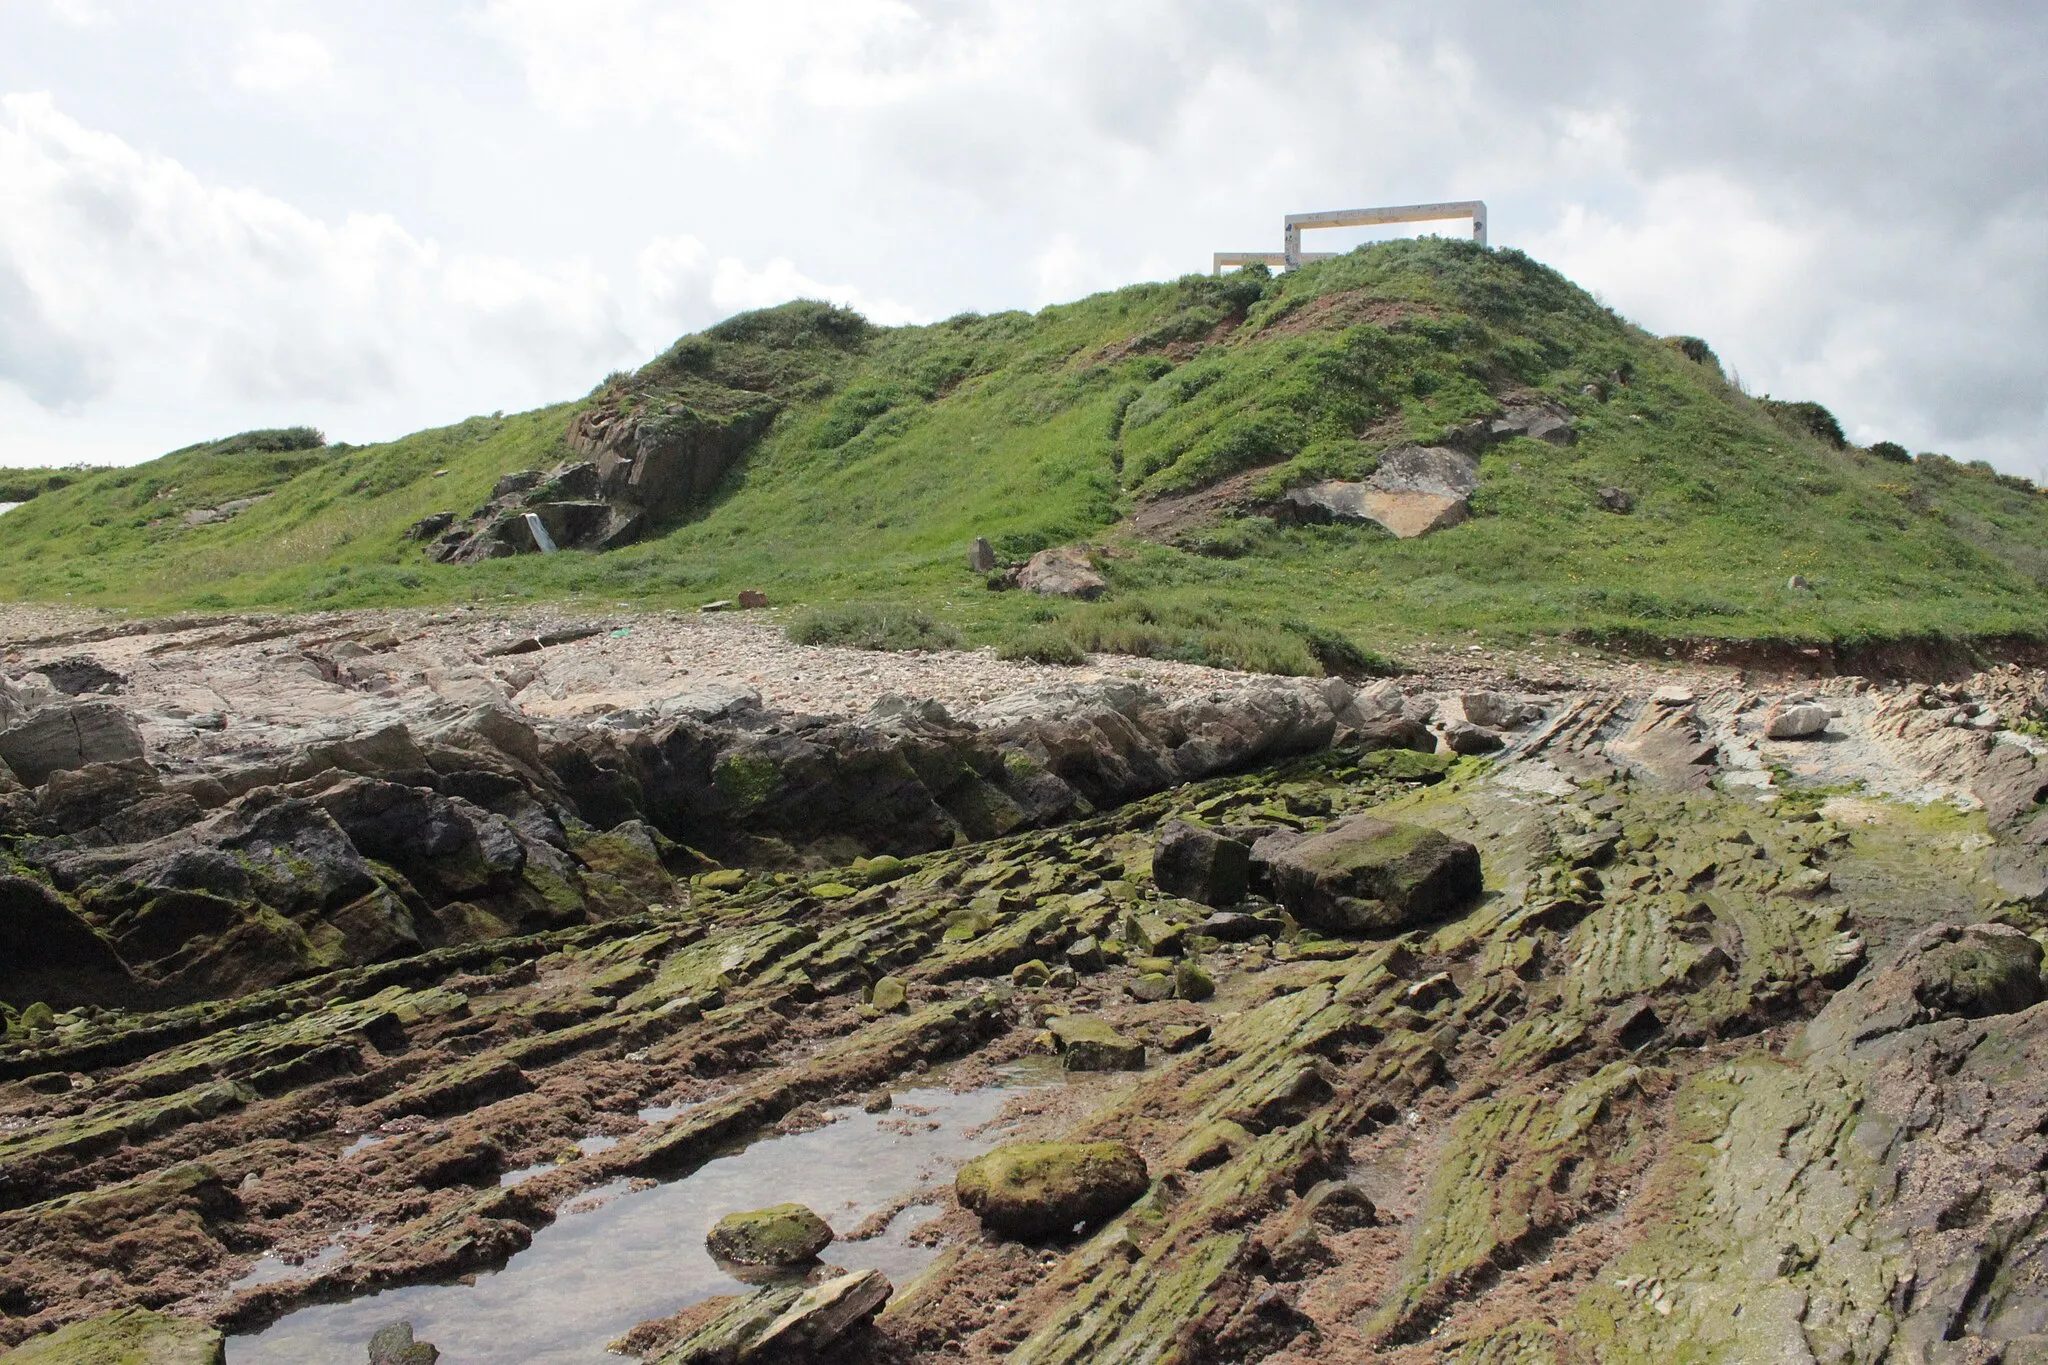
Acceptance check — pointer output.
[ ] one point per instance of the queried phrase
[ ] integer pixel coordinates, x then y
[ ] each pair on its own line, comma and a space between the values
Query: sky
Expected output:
383, 216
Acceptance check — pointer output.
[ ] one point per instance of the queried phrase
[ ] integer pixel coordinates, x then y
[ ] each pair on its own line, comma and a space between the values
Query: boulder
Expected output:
981, 556
61, 737
394, 1345
783, 1234
1044, 1189
429, 526
1415, 490
1803, 721
1617, 500
1063, 571
46, 946
129, 1336
783, 1323
1201, 865
1463, 737
1087, 1043
1368, 875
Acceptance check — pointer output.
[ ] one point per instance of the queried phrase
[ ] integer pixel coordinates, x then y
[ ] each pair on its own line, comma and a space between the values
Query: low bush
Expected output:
870, 625
1892, 451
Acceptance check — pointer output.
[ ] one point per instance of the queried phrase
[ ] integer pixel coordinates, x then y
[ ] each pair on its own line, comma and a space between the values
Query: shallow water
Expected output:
614, 1258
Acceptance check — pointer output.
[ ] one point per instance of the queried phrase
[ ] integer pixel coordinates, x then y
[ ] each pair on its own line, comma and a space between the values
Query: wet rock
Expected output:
64, 736
129, 1336
1368, 875
784, 1234
1804, 721
782, 1323
1043, 1189
1063, 571
1201, 865
1087, 1043
394, 1345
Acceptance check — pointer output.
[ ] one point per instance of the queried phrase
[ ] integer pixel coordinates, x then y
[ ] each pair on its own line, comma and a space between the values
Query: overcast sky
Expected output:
380, 216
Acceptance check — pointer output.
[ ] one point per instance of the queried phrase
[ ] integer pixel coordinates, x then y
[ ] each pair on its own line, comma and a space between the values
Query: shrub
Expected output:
1042, 645
1811, 418
272, 440
870, 625
1892, 451
1696, 350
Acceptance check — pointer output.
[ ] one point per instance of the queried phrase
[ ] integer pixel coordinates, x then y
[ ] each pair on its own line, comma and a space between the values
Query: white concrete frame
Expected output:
1292, 257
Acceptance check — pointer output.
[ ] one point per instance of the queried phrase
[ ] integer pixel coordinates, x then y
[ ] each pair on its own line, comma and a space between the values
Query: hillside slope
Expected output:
881, 452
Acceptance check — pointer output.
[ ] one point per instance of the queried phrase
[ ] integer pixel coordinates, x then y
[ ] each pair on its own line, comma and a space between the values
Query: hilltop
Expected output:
846, 467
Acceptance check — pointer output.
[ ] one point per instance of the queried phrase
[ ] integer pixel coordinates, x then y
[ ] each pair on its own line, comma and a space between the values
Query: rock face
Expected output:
129, 1336
784, 1234
1415, 490
1043, 1189
62, 737
1201, 865
781, 1323
1368, 876
1063, 571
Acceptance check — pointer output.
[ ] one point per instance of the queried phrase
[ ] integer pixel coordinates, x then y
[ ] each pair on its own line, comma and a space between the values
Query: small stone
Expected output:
833, 891
1190, 982
888, 995
724, 879
1085, 954
1043, 1189
878, 870
981, 556
1463, 737
1672, 695
1030, 975
1150, 987
752, 599
1181, 1037
722, 604
784, 1234
1154, 934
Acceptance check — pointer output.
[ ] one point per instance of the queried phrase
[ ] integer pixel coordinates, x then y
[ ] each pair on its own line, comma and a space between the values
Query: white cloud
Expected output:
131, 288
275, 63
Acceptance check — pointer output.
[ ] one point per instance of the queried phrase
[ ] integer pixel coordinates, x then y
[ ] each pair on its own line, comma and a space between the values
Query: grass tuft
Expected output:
869, 625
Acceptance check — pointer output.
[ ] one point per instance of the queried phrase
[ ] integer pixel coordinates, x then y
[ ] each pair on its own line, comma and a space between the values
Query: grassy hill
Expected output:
883, 451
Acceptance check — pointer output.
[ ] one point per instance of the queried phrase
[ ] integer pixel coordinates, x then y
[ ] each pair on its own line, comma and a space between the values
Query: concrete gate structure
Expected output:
1292, 257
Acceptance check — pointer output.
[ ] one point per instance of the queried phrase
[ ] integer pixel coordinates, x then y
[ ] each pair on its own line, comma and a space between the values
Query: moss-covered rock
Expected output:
130, 1336
1087, 1043
1043, 1189
783, 1234
1368, 875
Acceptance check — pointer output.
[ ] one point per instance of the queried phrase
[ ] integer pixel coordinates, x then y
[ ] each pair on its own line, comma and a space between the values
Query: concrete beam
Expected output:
1220, 260
1475, 209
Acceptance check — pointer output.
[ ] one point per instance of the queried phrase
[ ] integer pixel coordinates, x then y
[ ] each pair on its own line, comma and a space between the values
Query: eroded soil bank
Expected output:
1737, 1056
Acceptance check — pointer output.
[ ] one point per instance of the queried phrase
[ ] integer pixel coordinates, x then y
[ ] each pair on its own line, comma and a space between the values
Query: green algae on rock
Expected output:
1044, 1189
1368, 875
781, 1235
127, 1336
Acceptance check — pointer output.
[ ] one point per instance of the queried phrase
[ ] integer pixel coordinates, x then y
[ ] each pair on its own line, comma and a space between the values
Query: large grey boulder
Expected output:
1806, 720
61, 737
1368, 875
1062, 571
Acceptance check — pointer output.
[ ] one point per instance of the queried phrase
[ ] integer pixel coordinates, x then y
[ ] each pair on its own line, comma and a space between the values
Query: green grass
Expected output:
874, 455
867, 625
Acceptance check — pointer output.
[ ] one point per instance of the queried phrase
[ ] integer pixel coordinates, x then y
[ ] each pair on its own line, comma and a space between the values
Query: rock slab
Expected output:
131, 1336
781, 1322
1088, 1043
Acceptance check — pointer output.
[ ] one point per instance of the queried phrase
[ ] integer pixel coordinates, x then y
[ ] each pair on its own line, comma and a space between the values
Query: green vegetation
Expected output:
872, 456
21, 485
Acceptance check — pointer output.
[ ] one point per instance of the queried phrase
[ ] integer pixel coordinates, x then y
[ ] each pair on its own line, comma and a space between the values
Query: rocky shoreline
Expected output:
308, 971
